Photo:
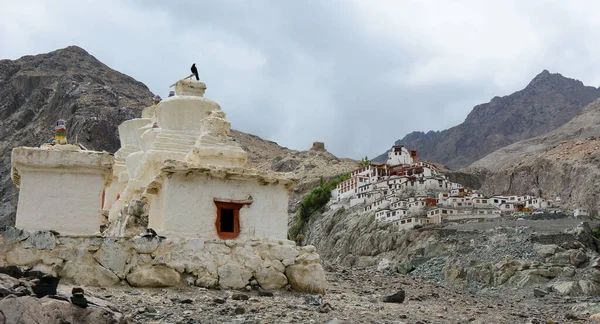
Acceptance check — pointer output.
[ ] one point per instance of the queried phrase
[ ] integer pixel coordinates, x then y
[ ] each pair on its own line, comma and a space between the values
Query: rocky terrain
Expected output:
310, 166
94, 99
27, 297
583, 127
70, 84
563, 163
548, 101
500, 257
354, 296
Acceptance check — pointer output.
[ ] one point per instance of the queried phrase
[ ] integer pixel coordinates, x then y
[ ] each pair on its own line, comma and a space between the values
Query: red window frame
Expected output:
236, 219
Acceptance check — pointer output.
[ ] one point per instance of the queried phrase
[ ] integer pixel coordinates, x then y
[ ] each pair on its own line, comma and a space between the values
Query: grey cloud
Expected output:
299, 71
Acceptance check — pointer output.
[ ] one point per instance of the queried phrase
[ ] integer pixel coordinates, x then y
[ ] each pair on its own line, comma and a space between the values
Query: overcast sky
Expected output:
357, 75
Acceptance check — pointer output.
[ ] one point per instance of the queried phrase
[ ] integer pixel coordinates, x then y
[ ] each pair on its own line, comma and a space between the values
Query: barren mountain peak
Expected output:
548, 101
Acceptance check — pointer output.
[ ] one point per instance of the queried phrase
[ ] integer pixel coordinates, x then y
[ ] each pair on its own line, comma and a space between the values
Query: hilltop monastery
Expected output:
408, 192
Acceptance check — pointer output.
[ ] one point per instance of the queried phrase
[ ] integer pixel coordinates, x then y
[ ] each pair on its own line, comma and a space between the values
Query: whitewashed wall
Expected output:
186, 207
67, 202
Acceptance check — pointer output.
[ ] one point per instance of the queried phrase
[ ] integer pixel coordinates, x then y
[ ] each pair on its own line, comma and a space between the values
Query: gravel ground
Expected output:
540, 226
354, 296
492, 246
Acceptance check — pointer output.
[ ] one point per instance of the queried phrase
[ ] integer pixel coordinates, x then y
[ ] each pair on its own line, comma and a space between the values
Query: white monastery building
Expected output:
407, 192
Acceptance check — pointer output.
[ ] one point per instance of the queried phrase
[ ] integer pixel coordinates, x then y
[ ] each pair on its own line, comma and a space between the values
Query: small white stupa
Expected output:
191, 176
60, 187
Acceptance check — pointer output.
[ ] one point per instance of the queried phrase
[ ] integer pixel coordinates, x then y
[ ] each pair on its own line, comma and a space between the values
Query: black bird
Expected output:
44, 285
78, 298
151, 232
12, 271
195, 71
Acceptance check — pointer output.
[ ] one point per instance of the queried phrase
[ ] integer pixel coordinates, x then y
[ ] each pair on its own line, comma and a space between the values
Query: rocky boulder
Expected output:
233, 276
19, 304
271, 278
153, 276
88, 274
578, 258
546, 250
31, 310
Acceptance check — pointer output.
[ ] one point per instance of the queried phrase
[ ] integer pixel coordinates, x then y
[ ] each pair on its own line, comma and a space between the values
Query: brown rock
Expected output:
153, 276
31, 310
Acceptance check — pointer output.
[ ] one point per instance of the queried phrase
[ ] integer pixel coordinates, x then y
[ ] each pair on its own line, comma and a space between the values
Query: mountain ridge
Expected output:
562, 163
548, 101
68, 83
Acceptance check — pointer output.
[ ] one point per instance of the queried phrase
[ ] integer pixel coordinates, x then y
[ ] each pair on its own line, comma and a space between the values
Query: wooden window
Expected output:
228, 219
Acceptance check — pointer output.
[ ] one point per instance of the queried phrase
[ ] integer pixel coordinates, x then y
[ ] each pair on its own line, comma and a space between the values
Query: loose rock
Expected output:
316, 300
219, 301
265, 293
537, 292
182, 300
395, 298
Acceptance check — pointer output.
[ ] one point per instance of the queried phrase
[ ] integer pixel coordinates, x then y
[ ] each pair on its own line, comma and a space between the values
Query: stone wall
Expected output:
161, 262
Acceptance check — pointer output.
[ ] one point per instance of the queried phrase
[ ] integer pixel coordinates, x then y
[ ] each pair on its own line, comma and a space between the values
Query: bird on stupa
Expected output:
195, 71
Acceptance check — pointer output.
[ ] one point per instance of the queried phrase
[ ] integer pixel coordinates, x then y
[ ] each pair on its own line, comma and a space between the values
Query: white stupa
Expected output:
181, 164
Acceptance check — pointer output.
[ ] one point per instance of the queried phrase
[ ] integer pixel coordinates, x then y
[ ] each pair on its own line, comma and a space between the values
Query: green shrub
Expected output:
314, 201
319, 197
295, 230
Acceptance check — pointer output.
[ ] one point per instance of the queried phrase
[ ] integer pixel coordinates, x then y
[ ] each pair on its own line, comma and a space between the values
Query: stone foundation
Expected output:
163, 262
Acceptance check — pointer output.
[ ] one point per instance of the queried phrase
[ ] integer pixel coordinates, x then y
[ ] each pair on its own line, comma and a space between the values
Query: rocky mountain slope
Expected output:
94, 99
310, 165
562, 163
548, 101
479, 256
70, 84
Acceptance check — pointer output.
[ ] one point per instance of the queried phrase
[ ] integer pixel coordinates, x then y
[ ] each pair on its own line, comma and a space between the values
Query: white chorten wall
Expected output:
130, 145
189, 160
60, 189
184, 206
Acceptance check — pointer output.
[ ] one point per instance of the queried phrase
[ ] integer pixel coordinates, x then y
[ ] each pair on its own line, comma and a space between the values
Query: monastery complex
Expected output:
408, 192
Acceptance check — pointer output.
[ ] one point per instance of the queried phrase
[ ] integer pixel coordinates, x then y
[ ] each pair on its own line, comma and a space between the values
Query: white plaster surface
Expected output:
215, 146
188, 208
111, 193
184, 113
133, 162
128, 131
60, 189
190, 88
194, 135
68, 203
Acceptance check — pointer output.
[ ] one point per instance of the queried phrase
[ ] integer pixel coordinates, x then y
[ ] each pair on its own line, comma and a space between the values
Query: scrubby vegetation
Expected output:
313, 202
364, 162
